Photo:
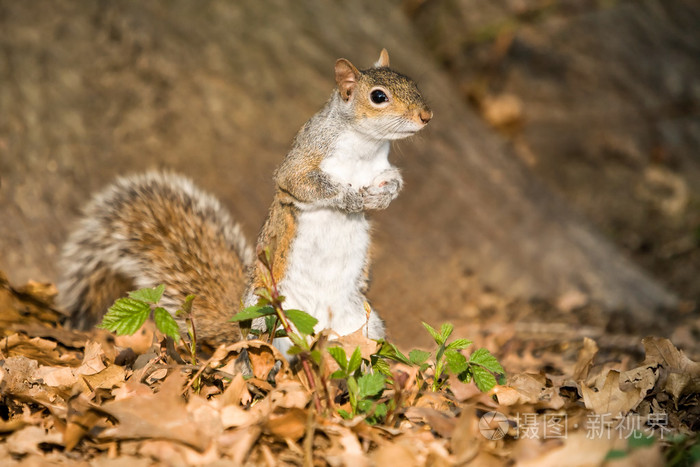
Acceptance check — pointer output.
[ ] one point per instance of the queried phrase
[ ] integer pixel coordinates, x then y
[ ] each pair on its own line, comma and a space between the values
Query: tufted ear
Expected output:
346, 76
383, 59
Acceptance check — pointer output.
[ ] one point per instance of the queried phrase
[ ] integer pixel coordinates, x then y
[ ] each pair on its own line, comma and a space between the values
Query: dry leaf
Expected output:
290, 394
108, 378
350, 342
262, 360
463, 391
80, 420
18, 373
27, 440
576, 450
237, 392
585, 359
682, 374
58, 377
466, 438
528, 388
156, 375
439, 421
237, 444
155, 416
141, 341
235, 416
346, 448
394, 454
608, 398
287, 424
93, 362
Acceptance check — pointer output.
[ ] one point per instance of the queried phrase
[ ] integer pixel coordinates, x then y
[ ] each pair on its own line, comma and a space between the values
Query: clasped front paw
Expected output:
383, 190
352, 201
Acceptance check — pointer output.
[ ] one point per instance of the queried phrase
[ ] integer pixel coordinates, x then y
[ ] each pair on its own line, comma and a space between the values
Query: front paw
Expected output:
383, 190
351, 201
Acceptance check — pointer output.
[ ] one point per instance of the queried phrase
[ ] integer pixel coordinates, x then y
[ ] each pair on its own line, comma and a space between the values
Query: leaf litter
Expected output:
72, 397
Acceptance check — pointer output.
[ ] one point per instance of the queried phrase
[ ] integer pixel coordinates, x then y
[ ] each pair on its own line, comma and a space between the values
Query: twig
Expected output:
264, 259
198, 374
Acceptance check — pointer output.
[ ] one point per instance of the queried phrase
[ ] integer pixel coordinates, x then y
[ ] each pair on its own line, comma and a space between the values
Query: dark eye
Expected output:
378, 96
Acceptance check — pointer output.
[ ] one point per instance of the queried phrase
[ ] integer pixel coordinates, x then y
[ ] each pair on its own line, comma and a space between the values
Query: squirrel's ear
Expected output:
346, 76
383, 59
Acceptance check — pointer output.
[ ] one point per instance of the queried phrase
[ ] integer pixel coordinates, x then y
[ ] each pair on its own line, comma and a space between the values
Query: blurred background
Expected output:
559, 181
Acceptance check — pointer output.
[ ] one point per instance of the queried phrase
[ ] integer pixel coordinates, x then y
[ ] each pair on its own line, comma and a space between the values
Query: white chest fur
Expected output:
325, 268
356, 159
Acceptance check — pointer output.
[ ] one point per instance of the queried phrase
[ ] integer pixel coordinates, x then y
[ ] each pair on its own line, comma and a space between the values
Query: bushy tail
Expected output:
156, 228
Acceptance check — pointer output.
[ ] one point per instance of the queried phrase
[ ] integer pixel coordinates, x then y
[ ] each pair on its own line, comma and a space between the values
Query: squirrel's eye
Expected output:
378, 96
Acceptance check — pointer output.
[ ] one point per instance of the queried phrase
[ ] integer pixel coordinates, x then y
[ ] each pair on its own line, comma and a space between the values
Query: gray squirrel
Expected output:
159, 228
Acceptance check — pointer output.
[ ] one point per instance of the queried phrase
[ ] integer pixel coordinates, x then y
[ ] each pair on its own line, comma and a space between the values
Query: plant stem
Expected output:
277, 305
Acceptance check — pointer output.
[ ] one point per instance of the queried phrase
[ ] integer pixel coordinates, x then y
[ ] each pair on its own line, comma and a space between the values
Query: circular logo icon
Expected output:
493, 425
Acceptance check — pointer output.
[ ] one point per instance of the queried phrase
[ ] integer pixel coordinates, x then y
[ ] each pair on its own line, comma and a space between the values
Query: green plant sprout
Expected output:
364, 389
481, 366
128, 314
269, 306
366, 380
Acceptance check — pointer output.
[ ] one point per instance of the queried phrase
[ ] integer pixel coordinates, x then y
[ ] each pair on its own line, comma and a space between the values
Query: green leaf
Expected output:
639, 440
389, 350
380, 410
186, 307
148, 295
370, 384
382, 367
338, 374
465, 377
694, 452
355, 360
484, 358
338, 354
316, 356
299, 341
483, 378
264, 294
295, 350
418, 357
456, 362
436, 335
615, 454
166, 324
255, 311
459, 344
364, 405
126, 316
445, 331
303, 321
344, 414
270, 321
353, 387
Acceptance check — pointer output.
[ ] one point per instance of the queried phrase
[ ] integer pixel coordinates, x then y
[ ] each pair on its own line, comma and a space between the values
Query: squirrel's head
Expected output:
383, 104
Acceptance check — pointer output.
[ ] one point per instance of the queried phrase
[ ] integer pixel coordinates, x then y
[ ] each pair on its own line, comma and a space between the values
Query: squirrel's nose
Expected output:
425, 115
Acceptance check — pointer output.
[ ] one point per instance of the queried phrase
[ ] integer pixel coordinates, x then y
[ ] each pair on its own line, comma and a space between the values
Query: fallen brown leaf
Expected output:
93, 362
27, 440
607, 397
287, 424
585, 359
155, 416
441, 422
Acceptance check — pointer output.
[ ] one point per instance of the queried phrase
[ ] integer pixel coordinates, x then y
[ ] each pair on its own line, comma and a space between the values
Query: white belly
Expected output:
325, 267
